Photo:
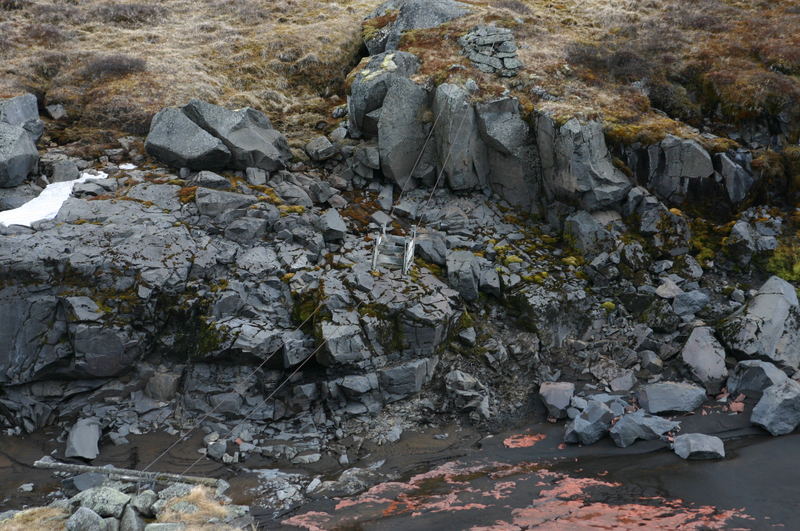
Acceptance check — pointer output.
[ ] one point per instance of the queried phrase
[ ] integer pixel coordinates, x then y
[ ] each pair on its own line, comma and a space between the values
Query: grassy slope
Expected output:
708, 63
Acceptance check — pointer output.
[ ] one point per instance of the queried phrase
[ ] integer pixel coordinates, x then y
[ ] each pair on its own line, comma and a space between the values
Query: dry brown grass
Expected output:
732, 60
728, 60
286, 57
39, 518
208, 509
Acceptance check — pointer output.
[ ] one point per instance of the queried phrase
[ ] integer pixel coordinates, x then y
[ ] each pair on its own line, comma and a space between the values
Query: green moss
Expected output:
785, 261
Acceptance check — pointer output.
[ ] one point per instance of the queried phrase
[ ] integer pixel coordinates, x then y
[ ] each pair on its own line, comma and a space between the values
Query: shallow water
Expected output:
524, 479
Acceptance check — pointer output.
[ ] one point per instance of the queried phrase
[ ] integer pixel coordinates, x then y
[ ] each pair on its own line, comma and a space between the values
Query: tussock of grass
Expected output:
39, 518
208, 508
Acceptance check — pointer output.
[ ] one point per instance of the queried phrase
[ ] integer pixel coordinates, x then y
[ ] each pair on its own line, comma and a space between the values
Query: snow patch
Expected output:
127, 166
47, 204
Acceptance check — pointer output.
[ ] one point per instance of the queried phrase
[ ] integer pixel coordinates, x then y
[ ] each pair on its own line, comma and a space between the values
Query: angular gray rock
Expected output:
23, 111
673, 166
513, 158
689, 303
333, 226
247, 133
370, 86
738, 181
706, 358
778, 411
18, 155
406, 150
639, 425
320, 149
176, 140
699, 446
591, 425
468, 393
464, 273
209, 179
84, 519
246, 230
556, 397
586, 233
131, 521
577, 166
105, 501
460, 149
405, 379
83, 439
405, 15
752, 377
212, 203
671, 396
767, 327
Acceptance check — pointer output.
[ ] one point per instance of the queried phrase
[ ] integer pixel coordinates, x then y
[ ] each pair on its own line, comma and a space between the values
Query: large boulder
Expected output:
735, 176
462, 153
384, 27
671, 396
513, 158
767, 327
85, 519
463, 273
587, 234
179, 142
24, 112
706, 358
778, 411
368, 88
105, 501
675, 167
556, 397
752, 377
247, 133
18, 155
577, 166
699, 446
404, 134
639, 425
591, 425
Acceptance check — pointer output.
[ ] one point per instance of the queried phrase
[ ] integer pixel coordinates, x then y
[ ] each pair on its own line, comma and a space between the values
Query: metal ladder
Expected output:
394, 252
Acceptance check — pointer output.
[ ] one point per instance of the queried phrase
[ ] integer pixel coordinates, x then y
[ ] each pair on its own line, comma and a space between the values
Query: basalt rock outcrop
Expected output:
203, 136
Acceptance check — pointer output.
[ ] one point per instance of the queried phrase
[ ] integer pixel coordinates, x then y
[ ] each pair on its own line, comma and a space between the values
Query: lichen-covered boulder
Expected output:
369, 84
